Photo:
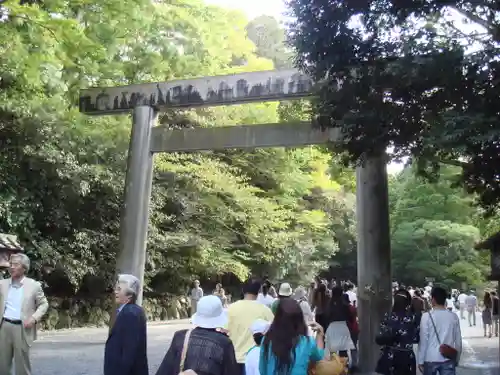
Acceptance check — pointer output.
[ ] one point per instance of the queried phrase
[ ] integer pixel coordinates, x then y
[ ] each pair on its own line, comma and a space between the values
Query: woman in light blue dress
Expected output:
286, 348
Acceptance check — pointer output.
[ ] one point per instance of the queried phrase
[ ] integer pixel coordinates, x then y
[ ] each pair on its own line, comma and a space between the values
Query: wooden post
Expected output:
374, 256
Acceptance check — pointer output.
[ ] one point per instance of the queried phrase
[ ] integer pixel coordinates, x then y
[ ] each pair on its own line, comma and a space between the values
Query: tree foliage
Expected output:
433, 232
269, 38
215, 213
421, 77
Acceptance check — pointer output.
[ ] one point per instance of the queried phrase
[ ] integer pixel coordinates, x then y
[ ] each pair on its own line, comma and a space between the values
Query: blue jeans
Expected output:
441, 368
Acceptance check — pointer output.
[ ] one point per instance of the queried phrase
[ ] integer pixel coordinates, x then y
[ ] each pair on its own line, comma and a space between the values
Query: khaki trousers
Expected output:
194, 305
13, 346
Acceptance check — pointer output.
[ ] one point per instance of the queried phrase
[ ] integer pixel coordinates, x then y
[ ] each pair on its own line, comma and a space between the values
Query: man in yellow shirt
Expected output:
241, 316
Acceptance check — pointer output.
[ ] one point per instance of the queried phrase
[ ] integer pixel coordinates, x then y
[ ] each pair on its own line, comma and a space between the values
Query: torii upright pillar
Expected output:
374, 255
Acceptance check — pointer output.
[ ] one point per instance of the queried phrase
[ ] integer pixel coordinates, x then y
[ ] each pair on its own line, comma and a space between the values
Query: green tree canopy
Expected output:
418, 76
433, 232
212, 214
270, 39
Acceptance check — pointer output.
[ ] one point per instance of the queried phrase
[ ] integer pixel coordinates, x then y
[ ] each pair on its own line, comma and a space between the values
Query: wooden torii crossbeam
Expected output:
144, 101
215, 91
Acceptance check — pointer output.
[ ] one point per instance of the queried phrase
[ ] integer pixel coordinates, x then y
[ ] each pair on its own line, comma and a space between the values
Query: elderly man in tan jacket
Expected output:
22, 304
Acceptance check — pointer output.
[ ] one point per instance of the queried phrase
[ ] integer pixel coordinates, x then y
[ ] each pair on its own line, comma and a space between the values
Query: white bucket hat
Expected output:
209, 313
259, 326
285, 290
300, 293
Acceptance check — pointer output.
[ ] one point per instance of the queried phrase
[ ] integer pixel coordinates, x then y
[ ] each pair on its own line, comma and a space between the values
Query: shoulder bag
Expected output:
446, 351
183, 355
333, 366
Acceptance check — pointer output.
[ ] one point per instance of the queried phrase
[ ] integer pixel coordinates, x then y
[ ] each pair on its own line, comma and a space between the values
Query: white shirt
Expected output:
14, 301
252, 360
265, 299
352, 297
196, 294
306, 311
461, 298
449, 303
448, 328
471, 301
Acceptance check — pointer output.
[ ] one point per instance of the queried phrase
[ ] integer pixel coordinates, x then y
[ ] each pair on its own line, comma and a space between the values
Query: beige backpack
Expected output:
183, 355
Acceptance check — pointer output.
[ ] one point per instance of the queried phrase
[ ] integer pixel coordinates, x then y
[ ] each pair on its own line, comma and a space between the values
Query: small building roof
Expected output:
10, 242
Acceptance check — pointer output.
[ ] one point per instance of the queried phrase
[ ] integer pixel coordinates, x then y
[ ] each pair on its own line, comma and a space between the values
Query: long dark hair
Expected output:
265, 289
321, 298
339, 307
402, 301
487, 299
284, 334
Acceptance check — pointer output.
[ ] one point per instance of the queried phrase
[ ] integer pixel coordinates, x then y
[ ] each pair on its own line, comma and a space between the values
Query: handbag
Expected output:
333, 366
183, 355
446, 350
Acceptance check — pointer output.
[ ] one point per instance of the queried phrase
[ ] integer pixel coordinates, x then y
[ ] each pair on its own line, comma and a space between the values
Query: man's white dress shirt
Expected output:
448, 328
461, 298
14, 301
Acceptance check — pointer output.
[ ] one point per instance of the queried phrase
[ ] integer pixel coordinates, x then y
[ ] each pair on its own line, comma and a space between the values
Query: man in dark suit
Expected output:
126, 349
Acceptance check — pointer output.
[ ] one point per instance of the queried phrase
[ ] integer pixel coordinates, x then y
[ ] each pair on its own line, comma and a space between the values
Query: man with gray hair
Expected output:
22, 304
125, 352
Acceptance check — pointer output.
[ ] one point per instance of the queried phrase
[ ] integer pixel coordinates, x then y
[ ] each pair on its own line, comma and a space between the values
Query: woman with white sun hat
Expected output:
205, 349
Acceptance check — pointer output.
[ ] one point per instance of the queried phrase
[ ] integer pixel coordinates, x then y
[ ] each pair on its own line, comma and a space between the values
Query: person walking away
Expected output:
449, 303
440, 344
426, 297
285, 291
417, 303
321, 301
223, 298
287, 348
252, 360
411, 291
486, 314
217, 290
471, 306
495, 312
264, 297
461, 303
125, 352
399, 331
310, 293
338, 337
301, 298
196, 295
241, 316
205, 349
23, 304
221, 293
349, 290
354, 331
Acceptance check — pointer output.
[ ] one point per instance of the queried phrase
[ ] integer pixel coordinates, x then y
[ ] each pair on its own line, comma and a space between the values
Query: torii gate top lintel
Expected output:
198, 92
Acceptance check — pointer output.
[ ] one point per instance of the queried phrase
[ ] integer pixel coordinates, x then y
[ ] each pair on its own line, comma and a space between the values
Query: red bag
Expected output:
446, 350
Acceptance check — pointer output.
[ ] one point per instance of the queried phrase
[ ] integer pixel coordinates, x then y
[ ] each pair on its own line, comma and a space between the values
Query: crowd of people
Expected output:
272, 330
489, 310
277, 330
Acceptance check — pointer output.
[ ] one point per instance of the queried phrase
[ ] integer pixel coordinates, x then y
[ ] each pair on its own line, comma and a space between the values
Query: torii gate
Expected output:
146, 100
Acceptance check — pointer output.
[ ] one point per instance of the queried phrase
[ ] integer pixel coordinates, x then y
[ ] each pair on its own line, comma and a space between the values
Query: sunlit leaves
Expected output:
211, 213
